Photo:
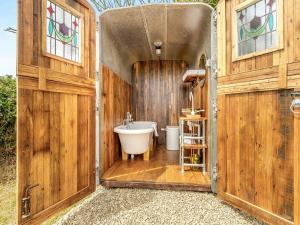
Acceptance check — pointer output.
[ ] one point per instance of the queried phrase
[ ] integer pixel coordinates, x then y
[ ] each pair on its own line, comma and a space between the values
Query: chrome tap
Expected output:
194, 111
192, 100
128, 120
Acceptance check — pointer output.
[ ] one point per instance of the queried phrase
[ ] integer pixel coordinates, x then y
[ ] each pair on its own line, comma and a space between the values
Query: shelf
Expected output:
194, 165
192, 118
193, 75
194, 146
192, 138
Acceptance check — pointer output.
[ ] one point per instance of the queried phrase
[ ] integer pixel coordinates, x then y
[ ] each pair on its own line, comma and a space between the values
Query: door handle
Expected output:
26, 201
295, 103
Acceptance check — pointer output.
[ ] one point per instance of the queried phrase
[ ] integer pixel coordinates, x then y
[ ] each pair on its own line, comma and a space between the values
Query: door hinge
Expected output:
215, 17
215, 109
215, 173
215, 73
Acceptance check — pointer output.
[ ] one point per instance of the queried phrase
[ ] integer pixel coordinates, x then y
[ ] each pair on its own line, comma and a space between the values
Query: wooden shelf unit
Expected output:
197, 141
193, 75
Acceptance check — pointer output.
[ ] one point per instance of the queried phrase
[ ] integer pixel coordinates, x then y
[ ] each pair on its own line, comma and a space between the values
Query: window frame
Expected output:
74, 12
280, 36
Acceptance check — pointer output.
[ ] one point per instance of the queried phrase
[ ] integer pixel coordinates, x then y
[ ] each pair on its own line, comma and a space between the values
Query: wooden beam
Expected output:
256, 211
42, 78
282, 75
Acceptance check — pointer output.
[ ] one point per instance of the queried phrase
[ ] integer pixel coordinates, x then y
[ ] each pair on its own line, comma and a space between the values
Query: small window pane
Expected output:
59, 48
273, 6
271, 40
68, 51
249, 13
48, 4
250, 46
59, 14
68, 19
48, 44
261, 43
53, 46
73, 53
260, 8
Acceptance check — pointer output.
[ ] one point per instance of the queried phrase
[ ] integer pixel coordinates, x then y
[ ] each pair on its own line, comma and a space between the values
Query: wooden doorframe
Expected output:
297, 169
212, 106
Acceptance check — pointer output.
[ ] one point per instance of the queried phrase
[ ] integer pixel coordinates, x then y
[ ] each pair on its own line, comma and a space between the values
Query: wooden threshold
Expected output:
160, 172
155, 185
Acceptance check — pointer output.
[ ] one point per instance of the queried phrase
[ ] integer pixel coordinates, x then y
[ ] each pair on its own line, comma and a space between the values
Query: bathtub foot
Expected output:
147, 155
132, 156
124, 155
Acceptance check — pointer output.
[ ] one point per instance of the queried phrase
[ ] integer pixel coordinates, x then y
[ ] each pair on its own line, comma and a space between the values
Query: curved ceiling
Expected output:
128, 34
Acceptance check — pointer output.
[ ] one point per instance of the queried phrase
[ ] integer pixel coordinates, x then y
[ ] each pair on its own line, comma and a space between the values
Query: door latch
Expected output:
295, 103
26, 201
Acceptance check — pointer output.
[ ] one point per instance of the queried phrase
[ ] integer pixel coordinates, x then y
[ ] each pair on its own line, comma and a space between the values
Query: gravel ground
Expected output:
138, 206
7, 188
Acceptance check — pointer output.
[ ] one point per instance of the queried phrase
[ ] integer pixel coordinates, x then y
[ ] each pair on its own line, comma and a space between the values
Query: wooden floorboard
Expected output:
160, 172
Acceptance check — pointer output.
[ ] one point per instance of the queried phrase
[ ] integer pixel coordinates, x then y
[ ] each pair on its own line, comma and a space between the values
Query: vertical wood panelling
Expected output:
256, 157
115, 102
221, 140
221, 44
83, 137
159, 93
55, 116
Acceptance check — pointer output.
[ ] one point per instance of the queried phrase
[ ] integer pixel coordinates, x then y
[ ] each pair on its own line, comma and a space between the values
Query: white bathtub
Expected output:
137, 139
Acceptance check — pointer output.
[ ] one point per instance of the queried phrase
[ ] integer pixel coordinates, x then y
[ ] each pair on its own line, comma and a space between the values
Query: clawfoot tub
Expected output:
137, 138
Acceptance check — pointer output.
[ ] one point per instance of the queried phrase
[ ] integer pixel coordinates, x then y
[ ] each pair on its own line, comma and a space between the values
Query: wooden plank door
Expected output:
257, 132
256, 154
56, 106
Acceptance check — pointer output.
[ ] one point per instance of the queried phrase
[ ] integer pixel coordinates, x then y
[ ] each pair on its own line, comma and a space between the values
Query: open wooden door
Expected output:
258, 135
56, 106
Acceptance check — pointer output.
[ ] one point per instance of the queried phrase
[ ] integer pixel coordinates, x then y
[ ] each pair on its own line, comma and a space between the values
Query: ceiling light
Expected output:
158, 45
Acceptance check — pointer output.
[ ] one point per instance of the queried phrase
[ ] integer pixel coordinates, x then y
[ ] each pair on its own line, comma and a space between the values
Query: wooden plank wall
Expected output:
263, 142
115, 102
159, 93
55, 116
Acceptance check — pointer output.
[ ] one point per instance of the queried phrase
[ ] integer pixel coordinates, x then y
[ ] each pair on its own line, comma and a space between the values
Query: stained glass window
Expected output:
257, 27
63, 33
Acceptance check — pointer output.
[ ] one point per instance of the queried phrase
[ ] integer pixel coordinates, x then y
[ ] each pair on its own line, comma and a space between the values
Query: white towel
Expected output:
154, 125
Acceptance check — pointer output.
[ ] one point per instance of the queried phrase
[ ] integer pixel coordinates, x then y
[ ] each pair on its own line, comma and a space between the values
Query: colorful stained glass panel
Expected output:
257, 27
63, 32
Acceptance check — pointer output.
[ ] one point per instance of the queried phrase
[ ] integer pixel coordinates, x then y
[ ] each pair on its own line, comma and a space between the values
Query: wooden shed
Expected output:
249, 91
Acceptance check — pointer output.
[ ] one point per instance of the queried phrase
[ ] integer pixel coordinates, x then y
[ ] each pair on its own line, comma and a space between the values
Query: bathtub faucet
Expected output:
128, 120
